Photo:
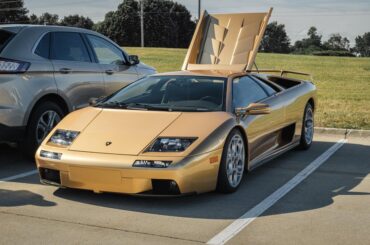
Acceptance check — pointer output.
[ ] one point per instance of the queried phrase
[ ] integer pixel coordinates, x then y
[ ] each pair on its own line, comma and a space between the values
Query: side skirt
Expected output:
265, 158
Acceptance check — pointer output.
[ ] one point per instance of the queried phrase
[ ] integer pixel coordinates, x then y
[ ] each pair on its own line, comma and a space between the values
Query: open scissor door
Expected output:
226, 41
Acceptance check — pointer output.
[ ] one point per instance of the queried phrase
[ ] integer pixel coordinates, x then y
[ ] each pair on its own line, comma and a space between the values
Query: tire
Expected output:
307, 128
232, 164
42, 120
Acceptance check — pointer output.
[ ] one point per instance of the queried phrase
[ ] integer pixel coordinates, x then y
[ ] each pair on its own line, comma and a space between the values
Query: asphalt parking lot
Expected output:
329, 206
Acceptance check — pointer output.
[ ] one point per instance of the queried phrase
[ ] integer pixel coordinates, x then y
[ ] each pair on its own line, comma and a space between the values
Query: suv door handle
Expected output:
65, 70
109, 72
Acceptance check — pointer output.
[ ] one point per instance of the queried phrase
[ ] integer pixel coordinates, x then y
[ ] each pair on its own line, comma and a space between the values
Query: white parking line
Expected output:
18, 176
238, 225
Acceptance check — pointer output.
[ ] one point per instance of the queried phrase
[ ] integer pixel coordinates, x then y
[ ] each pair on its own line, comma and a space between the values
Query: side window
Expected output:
69, 46
106, 52
246, 91
270, 91
43, 47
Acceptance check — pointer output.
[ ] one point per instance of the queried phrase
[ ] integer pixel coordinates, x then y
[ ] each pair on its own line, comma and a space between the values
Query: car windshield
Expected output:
172, 93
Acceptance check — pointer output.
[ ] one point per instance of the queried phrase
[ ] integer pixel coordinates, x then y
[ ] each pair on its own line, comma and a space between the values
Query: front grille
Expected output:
50, 175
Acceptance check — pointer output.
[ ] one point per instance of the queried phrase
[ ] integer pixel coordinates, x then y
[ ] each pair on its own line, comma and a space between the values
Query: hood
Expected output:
226, 41
142, 65
131, 131
128, 131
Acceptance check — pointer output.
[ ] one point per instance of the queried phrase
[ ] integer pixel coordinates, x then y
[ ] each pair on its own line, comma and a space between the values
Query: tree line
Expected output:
276, 40
169, 24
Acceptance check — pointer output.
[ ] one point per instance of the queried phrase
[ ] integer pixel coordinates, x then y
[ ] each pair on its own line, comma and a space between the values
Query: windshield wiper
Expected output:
188, 108
147, 106
112, 104
132, 106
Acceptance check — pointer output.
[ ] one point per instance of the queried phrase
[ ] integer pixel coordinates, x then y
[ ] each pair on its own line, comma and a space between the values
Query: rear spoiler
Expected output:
283, 73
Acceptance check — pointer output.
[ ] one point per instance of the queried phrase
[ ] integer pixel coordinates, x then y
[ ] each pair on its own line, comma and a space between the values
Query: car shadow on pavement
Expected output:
338, 176
13, 162
10, 198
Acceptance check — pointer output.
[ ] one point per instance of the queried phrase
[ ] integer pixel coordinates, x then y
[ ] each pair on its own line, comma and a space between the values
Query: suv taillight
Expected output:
13, 66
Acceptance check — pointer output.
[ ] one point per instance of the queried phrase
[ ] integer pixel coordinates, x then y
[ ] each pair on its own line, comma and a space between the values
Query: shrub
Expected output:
333, 53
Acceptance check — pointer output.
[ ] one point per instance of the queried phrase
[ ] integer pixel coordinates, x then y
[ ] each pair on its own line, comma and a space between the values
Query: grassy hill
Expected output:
343, 83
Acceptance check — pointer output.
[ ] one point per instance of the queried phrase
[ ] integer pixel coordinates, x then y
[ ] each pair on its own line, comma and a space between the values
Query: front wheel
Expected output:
232, 163
307, 128
44, 118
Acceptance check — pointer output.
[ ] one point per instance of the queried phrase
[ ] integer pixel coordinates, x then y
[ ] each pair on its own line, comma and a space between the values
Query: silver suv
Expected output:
48, 71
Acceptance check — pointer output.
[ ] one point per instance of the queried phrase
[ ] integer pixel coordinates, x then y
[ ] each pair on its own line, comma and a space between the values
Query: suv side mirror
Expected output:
133, 60
120, 63
253, 109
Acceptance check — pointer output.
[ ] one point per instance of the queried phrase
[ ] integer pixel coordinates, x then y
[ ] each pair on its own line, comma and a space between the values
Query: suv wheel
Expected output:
44, 118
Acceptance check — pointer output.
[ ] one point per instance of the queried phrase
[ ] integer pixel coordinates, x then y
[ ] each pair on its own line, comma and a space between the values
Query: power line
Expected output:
324, 14
9, 9
14, 1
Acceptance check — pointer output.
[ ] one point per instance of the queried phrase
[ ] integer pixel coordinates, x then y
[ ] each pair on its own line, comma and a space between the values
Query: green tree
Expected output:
13, 12
336, 42
363, 45
77, 21
314, 39
44, 19
275, 39
310, 44
122, 25
166, 24
33, 19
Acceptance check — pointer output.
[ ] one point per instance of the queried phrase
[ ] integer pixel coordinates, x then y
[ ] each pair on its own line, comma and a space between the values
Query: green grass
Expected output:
343, 83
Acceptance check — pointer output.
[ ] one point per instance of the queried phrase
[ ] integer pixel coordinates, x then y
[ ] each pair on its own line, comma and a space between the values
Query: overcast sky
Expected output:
349, 18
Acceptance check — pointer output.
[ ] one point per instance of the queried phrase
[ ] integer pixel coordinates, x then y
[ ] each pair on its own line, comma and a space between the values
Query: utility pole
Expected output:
199, 8
142, 22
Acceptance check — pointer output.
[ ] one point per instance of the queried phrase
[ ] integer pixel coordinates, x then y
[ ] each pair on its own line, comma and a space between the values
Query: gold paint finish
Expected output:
226, 41
111, 140
129, 131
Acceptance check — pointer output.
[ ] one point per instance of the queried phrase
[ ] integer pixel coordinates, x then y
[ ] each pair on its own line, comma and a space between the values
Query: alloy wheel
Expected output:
308, 125
235, 160
45, 124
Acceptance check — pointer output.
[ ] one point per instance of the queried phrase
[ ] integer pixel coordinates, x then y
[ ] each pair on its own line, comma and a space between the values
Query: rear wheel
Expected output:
43, 119
307, 128
232, 163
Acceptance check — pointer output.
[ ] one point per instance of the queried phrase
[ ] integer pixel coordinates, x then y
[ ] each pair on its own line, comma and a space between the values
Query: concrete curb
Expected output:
343, 131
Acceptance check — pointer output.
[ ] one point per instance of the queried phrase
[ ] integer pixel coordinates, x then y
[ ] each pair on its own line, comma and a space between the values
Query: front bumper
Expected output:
113, 173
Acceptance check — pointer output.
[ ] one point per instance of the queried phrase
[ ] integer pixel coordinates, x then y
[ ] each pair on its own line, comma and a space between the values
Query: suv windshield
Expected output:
172, 93
5, 37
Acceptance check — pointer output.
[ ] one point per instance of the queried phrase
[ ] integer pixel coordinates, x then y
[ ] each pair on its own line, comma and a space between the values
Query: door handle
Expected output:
109, 72
65, 70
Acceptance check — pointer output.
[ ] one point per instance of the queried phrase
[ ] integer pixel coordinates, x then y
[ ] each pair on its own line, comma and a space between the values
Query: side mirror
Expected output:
253, 109
95, 101
133, 60
120, 62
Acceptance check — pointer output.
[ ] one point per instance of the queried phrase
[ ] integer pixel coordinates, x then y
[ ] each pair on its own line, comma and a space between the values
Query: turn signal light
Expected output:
51, 155
151, 164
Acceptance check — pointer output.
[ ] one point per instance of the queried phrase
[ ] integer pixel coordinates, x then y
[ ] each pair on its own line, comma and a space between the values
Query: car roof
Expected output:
17, 27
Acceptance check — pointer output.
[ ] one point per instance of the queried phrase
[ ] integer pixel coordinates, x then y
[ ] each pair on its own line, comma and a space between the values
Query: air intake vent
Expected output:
50, 175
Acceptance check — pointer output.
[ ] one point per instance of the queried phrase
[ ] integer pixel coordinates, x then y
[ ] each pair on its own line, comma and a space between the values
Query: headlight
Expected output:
51, 155
63, 137
151, 164
170, 144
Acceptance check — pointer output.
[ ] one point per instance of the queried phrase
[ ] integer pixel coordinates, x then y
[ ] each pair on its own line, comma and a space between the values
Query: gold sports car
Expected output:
192, 131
